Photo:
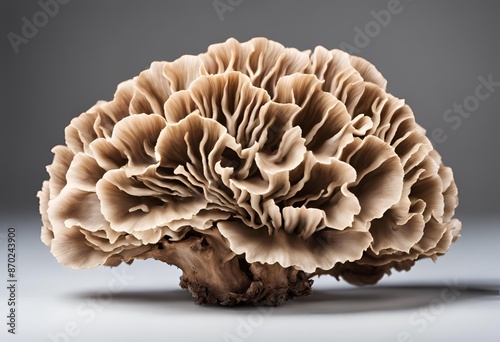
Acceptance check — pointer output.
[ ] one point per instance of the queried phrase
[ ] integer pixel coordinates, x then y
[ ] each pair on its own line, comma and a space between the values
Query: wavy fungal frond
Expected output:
252, 167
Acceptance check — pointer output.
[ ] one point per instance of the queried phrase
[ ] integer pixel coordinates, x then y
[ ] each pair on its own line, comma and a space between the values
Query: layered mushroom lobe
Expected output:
252, 167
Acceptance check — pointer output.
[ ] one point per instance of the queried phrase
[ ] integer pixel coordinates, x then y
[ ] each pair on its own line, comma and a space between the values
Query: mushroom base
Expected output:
215, 275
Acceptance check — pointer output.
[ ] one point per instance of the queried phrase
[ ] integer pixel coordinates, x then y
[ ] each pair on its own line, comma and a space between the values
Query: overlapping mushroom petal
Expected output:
299, 159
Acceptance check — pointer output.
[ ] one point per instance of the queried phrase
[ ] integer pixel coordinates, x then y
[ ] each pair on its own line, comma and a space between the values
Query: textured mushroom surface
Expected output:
252, 167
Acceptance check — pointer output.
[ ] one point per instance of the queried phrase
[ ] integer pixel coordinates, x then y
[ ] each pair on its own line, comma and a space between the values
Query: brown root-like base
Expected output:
215, 275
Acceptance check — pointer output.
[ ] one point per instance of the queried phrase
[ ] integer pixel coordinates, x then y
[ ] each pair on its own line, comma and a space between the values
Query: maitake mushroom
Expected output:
252, 167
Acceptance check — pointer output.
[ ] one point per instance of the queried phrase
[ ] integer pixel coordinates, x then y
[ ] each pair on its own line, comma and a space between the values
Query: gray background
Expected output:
431, 53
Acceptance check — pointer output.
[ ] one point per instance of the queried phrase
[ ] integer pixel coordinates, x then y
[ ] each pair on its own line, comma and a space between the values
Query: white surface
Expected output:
455, 299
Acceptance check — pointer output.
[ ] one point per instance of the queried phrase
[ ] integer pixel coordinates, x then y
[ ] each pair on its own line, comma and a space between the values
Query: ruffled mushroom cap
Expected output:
275, 160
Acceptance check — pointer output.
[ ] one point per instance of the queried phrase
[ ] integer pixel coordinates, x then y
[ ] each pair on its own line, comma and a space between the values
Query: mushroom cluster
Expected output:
252, 167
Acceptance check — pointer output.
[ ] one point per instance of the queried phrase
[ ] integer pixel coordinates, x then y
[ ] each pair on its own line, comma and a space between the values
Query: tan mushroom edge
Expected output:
253, 168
